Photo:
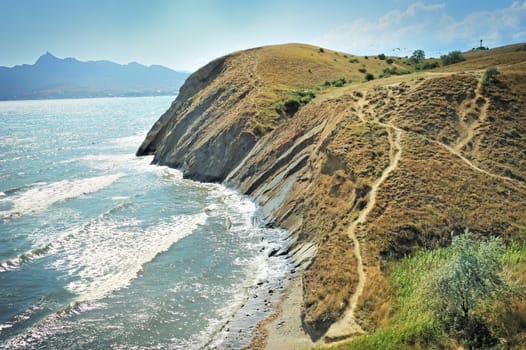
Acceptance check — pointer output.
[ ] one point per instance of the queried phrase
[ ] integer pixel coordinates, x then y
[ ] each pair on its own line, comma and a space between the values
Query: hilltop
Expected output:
53, 77
361, 171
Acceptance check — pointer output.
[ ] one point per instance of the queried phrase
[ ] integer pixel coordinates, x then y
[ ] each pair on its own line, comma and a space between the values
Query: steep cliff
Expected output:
362, 173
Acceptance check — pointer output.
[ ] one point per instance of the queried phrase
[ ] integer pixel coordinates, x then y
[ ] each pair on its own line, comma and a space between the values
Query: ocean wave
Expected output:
103, 161
44, 329
106, 255
41, 196
33, 254
101, 257
129, 141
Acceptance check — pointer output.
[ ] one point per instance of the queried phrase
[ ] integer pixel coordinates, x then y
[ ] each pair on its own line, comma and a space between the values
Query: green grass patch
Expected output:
412, 324
394, 71
291, 105
336, 83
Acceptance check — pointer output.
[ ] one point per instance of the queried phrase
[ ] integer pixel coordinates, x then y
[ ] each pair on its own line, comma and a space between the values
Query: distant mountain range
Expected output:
52, 77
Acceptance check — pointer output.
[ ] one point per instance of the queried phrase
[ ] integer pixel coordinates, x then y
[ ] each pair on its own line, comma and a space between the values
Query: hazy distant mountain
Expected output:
52, 77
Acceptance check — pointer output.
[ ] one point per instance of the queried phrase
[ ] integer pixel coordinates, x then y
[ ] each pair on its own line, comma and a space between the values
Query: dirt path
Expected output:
347, 325
474, 167
253, 76
467, 109
473, 113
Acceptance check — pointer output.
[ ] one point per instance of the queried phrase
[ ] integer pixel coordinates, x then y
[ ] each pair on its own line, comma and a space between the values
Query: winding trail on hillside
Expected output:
476, 168
347, 326
457, 148
469, 107
253, 75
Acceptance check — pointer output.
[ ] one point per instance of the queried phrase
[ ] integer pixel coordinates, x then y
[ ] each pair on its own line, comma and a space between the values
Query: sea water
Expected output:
101, 250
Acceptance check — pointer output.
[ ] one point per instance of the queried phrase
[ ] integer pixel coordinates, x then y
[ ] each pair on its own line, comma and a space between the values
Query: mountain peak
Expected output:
48, 57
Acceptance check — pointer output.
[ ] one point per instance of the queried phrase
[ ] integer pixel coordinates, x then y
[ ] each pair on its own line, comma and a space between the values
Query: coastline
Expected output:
282, 330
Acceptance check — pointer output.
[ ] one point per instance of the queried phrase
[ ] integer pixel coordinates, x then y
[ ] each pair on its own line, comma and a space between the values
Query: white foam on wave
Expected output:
105, 161
241, 213
41, 196
133, 141
15, 263
106, 256
239, 210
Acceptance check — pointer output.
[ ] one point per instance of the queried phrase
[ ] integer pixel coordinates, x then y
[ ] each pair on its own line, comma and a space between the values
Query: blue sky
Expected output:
186, 34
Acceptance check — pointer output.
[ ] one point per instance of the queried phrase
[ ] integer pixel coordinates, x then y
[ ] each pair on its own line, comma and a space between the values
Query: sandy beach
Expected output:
283, 330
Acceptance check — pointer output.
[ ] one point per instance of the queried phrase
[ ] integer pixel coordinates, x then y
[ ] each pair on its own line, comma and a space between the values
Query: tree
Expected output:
417, 56
452, 57
460, 286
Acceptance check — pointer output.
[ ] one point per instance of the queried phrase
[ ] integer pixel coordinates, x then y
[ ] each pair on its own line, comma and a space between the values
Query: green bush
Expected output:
470, 278
389, 61
452, 57
322, 50
362, 70
490, 76
339, 82
393, 71
381, 56
369, 77
354, 60
427, 65
290, 106
304, 96
417, 308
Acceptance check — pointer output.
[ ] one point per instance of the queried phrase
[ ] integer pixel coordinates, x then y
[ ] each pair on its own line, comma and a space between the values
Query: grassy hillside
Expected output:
461, 165
411, 322
363, 172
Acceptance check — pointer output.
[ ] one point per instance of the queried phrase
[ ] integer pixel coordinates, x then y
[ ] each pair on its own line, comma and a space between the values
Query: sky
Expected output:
186, 34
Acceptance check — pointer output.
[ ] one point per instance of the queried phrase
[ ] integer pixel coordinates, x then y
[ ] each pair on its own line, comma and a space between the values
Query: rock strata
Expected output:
361, 174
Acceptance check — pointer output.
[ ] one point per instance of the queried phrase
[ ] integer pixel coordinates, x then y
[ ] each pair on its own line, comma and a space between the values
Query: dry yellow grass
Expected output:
434, 190
458, 160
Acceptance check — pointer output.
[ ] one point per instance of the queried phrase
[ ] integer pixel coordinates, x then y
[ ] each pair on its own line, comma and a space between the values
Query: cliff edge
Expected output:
360, 172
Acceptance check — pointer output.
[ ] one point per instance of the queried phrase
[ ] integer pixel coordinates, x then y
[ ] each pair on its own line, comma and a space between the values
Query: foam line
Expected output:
41, 196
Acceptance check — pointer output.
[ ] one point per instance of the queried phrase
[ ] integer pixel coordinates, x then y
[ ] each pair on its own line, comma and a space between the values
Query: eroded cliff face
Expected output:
195, 134
362, 173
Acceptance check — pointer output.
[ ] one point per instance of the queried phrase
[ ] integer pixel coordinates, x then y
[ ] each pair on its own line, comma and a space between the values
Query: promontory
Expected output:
366, 161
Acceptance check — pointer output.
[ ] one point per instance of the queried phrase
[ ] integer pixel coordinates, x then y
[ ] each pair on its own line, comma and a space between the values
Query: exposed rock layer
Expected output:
361, 174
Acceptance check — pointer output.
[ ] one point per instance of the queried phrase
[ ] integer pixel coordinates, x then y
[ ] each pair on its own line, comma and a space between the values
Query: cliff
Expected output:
360, 174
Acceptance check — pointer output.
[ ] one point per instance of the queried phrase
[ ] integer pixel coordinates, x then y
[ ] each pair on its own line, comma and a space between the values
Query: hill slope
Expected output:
52, 77
361, 174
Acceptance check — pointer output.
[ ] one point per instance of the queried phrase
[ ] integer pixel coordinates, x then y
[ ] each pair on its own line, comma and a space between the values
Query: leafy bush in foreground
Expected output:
418, 308
460, 286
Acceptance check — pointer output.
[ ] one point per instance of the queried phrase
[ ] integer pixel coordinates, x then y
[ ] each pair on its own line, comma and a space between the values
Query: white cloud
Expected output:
429, 27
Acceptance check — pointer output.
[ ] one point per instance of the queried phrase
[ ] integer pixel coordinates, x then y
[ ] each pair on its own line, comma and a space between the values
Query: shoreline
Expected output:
282, 330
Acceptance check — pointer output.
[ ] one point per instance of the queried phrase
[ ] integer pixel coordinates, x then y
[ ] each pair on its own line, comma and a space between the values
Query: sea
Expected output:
100, 249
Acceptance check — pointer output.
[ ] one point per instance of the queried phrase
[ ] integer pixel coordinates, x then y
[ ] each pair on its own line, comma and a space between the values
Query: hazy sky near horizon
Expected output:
186, 34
